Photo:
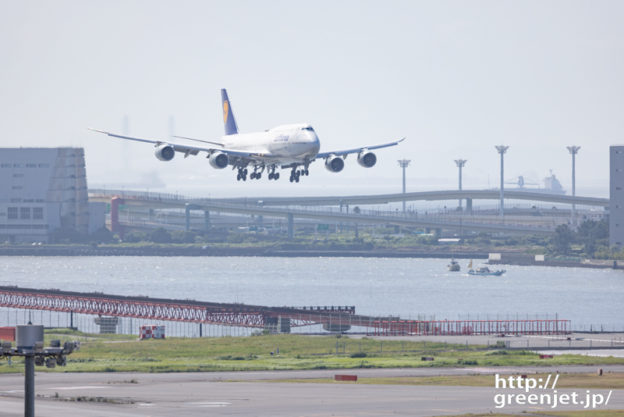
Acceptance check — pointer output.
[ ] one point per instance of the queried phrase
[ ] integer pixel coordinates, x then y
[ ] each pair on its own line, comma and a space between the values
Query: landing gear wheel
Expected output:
276, 176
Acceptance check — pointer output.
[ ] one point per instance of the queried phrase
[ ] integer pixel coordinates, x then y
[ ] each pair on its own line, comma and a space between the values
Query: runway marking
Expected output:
79, 387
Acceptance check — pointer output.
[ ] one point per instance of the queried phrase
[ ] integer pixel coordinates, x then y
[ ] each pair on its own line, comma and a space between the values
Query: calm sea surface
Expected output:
405, 287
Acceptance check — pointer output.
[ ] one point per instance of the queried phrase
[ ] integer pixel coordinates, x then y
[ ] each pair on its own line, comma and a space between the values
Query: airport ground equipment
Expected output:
29, 345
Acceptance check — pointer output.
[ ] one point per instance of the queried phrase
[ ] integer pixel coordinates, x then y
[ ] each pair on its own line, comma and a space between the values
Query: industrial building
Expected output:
616, 196
43, 191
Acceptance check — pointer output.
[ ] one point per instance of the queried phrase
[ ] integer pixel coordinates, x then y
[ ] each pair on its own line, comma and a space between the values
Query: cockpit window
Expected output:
308, 128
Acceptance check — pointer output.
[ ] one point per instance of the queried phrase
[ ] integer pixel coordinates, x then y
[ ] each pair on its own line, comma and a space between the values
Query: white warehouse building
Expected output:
43, 190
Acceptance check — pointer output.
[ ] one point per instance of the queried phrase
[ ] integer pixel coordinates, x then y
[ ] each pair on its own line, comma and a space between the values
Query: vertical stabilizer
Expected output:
228, 115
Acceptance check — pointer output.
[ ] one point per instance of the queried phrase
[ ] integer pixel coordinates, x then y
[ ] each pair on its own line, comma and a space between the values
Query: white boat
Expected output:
484, 270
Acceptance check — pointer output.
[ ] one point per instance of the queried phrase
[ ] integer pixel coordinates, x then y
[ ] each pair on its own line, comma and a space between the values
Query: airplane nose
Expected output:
310, 142
315, 142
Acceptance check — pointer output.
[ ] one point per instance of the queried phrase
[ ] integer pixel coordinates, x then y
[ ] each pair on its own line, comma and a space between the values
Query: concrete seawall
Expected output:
86, 250
507, 258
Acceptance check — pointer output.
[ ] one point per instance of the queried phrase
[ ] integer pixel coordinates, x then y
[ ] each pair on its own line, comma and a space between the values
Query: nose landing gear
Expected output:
295, 174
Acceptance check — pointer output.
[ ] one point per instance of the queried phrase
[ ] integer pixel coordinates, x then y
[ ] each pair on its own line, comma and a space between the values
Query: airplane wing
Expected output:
200, 140
346, 152
185, 149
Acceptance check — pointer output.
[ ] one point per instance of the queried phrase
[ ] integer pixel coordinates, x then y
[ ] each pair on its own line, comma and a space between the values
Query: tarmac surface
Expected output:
199, 394
593, 344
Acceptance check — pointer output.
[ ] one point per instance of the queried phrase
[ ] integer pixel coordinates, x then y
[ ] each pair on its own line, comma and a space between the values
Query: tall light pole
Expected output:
403, 163
460, 164
501, 149
573, 151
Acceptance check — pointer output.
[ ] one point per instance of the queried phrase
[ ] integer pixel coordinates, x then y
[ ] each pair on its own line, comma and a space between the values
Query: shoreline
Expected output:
507, 258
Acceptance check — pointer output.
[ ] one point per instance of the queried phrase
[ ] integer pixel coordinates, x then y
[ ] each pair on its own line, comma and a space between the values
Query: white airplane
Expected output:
293, 146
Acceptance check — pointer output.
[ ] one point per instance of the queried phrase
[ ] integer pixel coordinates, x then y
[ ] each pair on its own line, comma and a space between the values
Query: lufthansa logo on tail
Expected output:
226, 110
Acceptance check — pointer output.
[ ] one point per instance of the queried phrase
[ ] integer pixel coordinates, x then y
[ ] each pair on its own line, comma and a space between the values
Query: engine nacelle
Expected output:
219, 160
164, 152
367, 159
334, 163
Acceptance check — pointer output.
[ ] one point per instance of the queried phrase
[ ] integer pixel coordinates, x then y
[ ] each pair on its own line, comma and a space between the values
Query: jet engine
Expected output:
334, 163
164, 152
366, 159
219, 160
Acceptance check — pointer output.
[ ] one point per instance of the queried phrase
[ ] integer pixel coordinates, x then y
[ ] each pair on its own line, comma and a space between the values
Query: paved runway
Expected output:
593, 343
195, 394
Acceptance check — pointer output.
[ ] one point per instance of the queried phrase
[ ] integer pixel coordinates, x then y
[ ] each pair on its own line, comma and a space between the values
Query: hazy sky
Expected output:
454, 77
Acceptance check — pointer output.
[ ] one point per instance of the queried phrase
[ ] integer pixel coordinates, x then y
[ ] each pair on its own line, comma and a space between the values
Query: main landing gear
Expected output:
242, 174
296, 173
272, 174
256, 174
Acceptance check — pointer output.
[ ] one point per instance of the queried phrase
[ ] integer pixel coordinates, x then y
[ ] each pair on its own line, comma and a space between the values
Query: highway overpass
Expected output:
258, 207
372, 199
418, 196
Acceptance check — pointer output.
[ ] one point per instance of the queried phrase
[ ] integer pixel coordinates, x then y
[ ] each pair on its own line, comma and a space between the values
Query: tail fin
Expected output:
228, 115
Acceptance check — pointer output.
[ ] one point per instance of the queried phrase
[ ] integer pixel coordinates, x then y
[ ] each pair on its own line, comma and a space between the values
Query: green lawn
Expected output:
119, 353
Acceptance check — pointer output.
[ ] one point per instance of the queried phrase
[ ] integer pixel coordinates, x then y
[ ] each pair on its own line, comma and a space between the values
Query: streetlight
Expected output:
403, 163
501, 149
460, 164
573, 151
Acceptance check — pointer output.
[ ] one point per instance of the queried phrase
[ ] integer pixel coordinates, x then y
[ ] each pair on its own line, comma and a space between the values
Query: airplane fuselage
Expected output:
287, 144
292, 146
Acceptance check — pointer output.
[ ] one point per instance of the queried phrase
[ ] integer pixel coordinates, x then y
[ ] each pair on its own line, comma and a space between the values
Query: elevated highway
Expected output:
295, 207
105, 195
326, 216
419, 196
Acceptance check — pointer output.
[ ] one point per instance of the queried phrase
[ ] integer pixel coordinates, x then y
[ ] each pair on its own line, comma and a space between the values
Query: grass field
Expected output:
117, 353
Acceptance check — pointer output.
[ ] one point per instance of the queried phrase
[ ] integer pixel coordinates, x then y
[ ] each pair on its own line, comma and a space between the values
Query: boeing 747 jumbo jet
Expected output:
292, 147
